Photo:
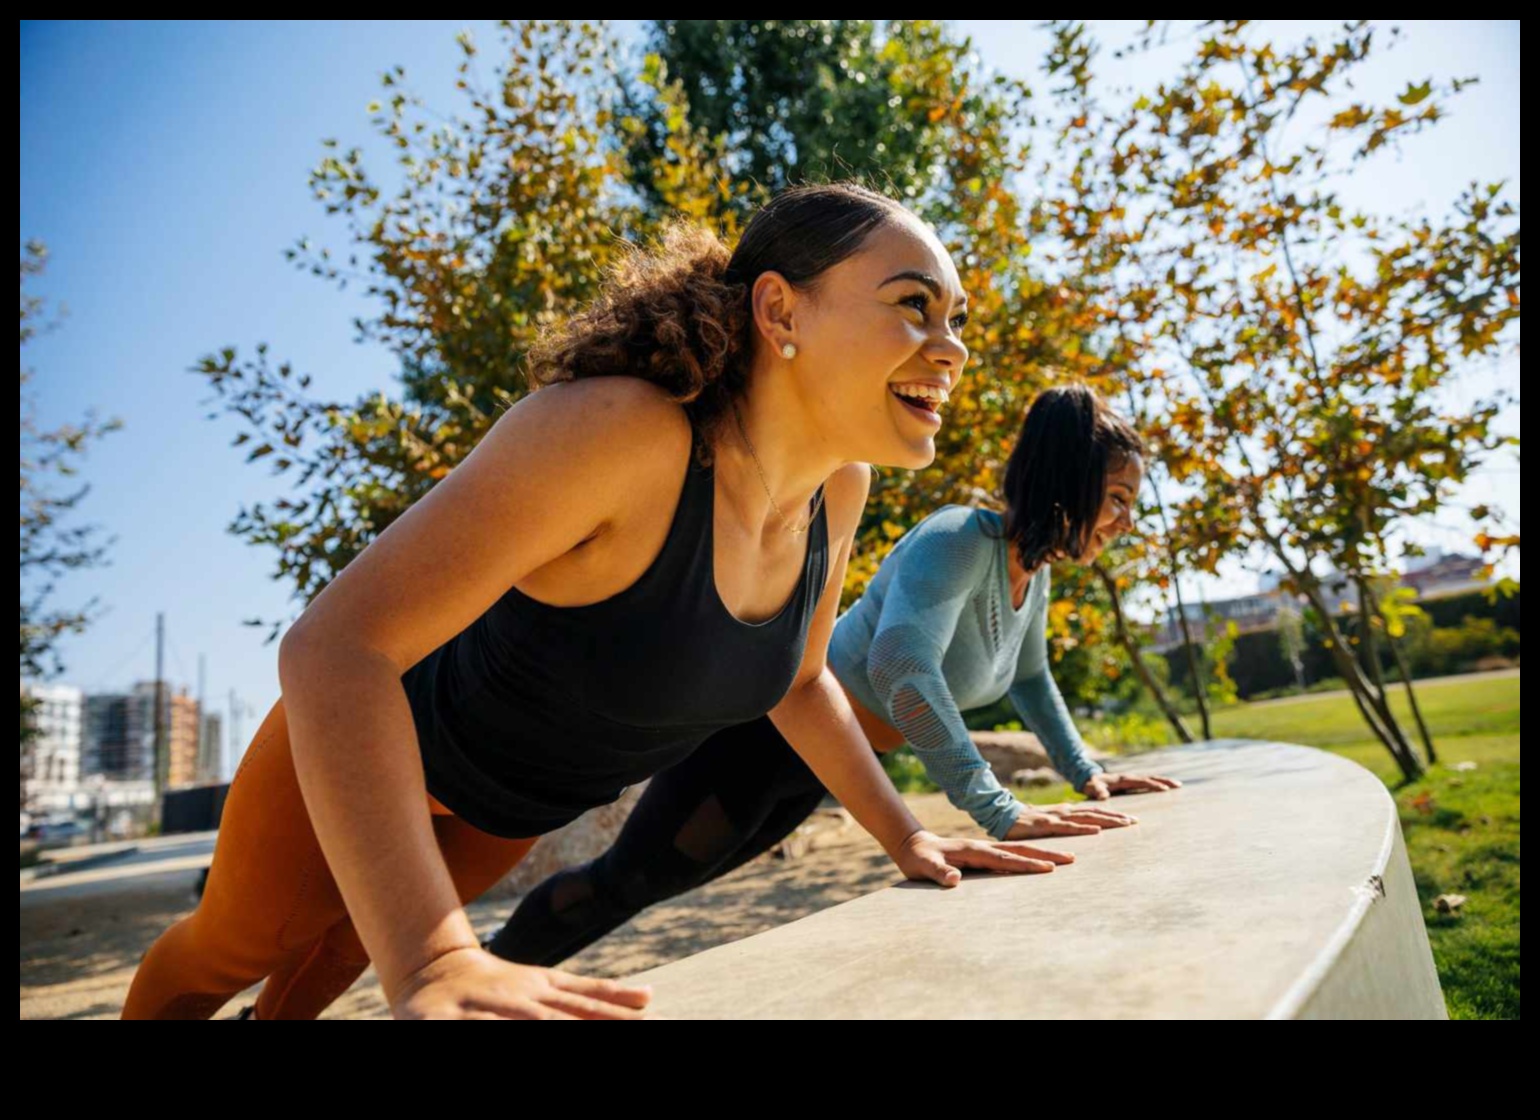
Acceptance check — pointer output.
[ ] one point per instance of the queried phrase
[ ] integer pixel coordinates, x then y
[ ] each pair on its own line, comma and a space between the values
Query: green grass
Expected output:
1462, 834
1454, 709
1461, 828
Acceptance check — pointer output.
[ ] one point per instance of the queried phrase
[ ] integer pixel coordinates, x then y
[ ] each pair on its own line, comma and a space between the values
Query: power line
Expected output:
177, 657
96, 686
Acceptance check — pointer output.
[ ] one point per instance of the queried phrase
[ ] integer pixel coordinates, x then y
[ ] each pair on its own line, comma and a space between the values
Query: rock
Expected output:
578, 842
1036, 778
1010, 751
1449, 903
796, 845
823, 826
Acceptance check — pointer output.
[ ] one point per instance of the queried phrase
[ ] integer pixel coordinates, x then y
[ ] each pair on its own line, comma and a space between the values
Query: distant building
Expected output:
120, 736
1437, 575
1249, 612
94, 756
183, 741
1432, 576
211, 749
52, 771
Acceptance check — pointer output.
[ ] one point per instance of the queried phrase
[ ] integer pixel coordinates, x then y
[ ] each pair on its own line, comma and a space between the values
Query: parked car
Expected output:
56, 830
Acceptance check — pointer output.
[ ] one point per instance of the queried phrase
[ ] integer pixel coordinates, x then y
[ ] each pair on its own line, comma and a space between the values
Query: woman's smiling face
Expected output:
1117, 512
877, 342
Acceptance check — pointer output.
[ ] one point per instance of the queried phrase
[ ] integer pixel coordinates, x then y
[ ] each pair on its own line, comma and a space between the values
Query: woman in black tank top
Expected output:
644, 552
537, 713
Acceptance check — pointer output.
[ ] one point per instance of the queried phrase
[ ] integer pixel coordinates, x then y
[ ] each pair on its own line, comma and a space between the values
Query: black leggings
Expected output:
739, 793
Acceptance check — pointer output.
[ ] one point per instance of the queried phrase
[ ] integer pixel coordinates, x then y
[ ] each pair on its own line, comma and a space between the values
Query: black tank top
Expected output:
534, 714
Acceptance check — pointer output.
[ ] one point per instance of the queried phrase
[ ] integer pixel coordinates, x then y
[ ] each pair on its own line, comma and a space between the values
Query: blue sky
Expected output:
165, 164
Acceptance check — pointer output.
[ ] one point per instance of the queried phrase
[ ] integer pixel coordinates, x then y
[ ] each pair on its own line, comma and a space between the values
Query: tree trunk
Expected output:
1194, 669
1126, 639
1347, 665
1379, 719
1368, 611
1406, 682
1411, 698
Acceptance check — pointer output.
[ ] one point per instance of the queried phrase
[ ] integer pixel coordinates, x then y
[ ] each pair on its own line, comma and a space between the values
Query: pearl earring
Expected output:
788, 351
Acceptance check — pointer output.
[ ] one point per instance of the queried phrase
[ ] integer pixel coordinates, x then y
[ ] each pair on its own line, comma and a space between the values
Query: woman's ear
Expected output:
773, 301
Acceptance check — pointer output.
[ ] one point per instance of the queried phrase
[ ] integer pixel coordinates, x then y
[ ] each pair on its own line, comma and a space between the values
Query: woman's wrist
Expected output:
453, 935
1096, 768
897, 832
1000, 827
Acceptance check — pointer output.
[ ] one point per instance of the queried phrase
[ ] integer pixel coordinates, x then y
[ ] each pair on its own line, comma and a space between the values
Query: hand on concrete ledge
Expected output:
471, 983
924, 855
1077, 819
1101, 786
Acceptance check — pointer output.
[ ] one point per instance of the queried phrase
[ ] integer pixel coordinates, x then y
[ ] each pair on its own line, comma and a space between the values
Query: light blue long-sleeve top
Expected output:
936, 633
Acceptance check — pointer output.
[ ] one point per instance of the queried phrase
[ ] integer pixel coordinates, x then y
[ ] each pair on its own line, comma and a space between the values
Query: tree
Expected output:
1292, 353
51, 543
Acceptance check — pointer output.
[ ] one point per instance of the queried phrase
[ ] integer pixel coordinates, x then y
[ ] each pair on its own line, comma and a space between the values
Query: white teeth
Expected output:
923, 392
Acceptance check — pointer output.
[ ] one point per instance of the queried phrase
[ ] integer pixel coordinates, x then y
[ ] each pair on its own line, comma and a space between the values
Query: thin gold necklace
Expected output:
758, 466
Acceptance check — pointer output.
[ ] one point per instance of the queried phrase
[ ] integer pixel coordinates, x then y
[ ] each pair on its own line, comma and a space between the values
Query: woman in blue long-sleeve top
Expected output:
954, 619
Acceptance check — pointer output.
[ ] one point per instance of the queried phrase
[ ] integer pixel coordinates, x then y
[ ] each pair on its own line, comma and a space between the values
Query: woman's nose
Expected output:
951, 355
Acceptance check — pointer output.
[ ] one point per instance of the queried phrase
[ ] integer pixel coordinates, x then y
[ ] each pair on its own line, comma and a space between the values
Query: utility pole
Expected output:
235, 730
202, 737
162, 767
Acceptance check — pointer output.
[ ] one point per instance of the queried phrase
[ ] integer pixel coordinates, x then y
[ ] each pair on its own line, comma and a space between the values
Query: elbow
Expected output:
293, 648
307, 661
876, 667
304, 659
807, 685
884, 670
901, 653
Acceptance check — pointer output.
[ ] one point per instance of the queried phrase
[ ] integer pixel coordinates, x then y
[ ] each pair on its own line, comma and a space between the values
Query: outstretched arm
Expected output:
592, 446
816, 718
938, 573
1036, 698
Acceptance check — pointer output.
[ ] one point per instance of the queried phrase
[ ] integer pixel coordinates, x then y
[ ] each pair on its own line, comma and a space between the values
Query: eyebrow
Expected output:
922, 277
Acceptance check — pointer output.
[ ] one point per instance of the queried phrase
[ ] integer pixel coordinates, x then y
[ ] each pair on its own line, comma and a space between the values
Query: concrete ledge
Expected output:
1274, 884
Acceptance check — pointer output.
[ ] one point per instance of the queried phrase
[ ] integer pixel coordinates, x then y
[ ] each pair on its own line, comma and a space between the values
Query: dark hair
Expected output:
1056, 477
678, 314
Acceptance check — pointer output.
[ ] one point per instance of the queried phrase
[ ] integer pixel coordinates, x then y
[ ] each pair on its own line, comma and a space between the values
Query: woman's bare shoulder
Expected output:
845, 495
619, 416
554, 470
